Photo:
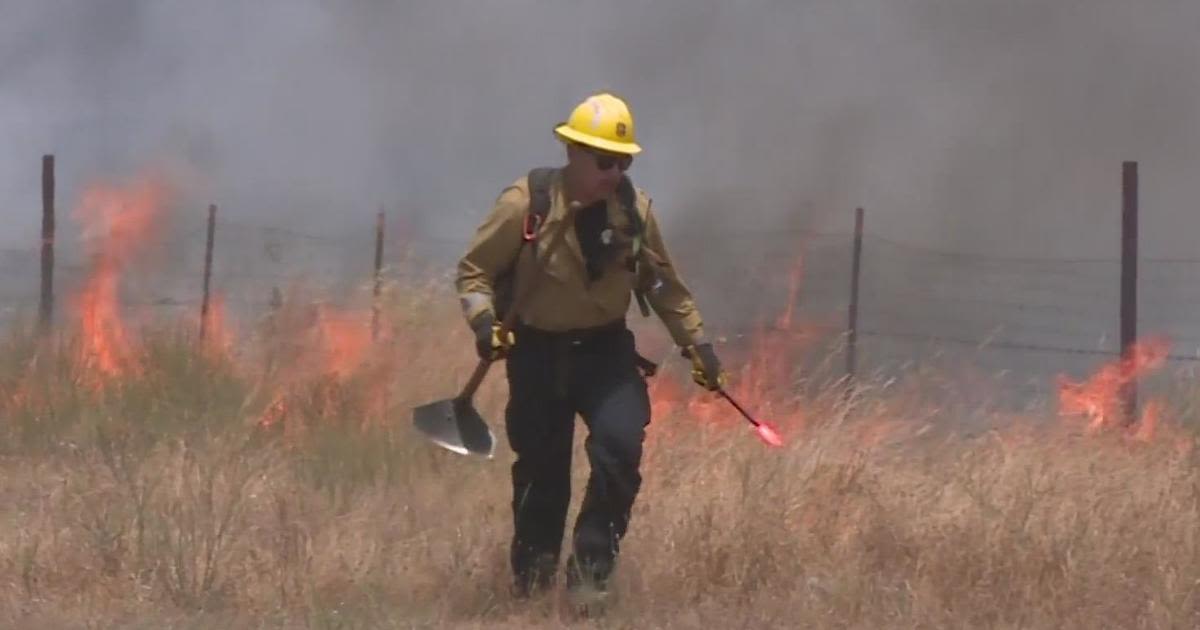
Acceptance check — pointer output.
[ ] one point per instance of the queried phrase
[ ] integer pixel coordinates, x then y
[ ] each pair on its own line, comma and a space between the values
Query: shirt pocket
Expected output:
564, 264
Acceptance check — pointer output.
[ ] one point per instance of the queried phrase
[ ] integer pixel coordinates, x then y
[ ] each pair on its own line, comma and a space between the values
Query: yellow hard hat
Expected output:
602, 121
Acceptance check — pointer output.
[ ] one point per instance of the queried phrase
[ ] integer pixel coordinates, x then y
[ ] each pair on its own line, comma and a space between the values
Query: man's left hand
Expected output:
706, 367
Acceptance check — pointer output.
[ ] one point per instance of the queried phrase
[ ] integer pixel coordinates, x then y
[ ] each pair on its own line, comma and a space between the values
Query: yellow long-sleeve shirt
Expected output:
563, 299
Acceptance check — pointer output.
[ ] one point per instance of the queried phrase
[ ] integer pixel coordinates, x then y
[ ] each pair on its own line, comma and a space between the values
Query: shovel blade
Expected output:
454, 425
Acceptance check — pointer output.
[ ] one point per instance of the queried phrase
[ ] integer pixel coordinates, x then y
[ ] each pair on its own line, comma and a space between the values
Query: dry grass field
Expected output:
273, 480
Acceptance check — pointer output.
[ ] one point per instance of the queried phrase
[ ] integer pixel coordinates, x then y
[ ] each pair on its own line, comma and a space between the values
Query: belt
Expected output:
562, 342
573, 337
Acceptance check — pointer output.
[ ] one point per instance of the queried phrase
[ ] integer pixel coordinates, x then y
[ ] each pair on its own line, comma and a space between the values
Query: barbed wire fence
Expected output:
912, 300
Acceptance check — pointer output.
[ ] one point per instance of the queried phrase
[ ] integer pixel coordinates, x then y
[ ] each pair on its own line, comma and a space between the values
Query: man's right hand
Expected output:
488, 342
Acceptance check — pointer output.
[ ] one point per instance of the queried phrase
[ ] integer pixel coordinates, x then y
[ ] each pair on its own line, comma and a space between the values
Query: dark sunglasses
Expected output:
605, 161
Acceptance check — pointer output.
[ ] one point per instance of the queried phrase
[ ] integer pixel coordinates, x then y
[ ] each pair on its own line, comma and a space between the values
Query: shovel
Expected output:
453, 423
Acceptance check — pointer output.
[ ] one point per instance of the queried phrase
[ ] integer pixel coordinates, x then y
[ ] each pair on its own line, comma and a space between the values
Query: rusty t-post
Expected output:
378, 289
208, 259
46, 303
1129, 275
852, 317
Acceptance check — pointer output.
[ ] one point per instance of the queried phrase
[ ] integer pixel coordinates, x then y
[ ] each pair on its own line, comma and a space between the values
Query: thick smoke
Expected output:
993, 126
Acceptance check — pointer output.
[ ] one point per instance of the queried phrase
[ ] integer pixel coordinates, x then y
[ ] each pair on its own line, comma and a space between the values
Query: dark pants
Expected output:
552, 377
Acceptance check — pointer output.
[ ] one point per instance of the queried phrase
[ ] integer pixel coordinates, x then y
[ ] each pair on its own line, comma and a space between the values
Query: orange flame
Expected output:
117, 223
219, 337
765, 383
345, 339
797, 275
1149, 421
1099, 398
337, 346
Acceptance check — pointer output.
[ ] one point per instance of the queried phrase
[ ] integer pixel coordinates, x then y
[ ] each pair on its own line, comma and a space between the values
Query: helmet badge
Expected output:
597, 112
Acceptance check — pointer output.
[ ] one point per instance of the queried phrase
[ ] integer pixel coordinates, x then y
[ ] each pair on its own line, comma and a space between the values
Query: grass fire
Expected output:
269, 477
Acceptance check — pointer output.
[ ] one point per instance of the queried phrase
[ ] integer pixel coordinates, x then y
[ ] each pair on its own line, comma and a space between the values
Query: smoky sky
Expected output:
977, 125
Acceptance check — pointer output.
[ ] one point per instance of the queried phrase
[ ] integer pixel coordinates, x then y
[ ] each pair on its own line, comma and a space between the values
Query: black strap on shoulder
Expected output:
627, 196
539, 207
539, 201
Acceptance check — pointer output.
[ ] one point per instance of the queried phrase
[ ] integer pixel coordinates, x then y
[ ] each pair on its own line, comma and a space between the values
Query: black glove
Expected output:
706, 368
488, 343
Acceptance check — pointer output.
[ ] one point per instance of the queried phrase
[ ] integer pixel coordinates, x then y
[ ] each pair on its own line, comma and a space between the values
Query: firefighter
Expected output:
570, 351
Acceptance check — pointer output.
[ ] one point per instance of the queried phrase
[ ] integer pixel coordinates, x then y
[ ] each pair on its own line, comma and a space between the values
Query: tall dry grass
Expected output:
159, 501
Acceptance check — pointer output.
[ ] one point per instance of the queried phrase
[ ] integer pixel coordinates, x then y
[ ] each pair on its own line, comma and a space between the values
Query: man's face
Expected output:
598, 172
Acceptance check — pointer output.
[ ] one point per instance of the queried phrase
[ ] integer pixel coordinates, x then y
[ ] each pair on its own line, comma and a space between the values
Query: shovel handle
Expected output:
481, 368
525, 291
473, 383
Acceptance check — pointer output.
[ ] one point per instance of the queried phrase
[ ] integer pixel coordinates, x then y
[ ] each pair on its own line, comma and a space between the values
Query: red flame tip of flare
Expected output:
768, 434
